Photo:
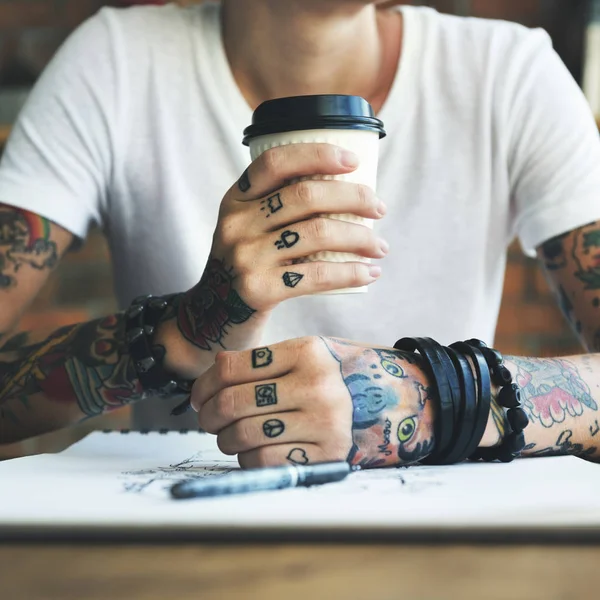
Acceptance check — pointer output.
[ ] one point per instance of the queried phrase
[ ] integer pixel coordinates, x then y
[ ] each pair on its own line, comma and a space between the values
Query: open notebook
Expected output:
116, 483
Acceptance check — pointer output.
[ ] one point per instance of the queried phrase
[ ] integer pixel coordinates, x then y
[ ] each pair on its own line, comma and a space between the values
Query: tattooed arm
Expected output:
320, 399
561, 397
571, 264
30, 247
84, 370
78, 372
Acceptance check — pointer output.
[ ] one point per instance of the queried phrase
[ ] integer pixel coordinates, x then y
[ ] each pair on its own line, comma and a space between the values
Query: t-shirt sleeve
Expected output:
58, 160
554, 146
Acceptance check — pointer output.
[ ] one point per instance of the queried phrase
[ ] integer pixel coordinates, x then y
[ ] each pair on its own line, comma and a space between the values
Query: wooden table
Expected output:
303, 571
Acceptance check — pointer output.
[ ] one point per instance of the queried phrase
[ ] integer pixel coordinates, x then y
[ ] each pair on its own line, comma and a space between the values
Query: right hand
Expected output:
264, 227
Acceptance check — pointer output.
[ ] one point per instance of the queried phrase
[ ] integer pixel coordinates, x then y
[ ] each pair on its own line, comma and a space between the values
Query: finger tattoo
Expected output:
298, 456
244, 182
291, 280
273, 428
266, 394
288, 240
271, 205
261, 357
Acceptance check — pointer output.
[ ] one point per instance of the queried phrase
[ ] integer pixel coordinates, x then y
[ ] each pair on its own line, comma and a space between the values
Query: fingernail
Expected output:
381, 208
385, 247
375, 272
347, 158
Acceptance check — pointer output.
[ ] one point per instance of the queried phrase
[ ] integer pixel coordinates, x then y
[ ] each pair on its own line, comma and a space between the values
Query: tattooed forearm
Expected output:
24, 240
552, 390
80, 371
560, 397
392, 404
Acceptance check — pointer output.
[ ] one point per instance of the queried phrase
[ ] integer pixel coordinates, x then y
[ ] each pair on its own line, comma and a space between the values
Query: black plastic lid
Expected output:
299, 113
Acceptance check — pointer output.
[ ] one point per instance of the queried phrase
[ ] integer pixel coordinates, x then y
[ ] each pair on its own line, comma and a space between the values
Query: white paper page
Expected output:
122, 480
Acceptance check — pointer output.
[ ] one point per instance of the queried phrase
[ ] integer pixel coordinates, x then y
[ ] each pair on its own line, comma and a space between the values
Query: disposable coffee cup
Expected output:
345, 121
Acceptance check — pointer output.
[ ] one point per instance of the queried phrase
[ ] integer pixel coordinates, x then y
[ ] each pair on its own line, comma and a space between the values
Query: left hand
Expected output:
317, 399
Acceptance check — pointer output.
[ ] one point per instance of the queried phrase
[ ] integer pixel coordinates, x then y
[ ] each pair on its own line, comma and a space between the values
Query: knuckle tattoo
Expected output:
244, 182
291, 279
271, 205
261, 357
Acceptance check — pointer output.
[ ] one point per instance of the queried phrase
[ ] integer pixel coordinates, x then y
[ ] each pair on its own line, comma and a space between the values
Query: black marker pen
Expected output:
262, 480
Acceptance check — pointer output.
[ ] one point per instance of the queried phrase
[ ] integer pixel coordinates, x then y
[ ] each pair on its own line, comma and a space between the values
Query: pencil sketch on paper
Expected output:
194, 467
387, 481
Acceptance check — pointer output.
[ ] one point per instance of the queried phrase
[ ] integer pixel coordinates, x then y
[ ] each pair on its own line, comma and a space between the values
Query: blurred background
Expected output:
81, 288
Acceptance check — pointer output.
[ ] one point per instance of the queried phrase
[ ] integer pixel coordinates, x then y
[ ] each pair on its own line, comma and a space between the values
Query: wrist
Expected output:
181, 358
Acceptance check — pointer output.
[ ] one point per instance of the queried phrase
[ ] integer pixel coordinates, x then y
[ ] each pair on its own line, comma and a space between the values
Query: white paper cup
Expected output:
364, 142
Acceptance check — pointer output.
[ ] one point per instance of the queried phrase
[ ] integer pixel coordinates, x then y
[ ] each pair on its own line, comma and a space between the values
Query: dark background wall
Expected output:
81, 288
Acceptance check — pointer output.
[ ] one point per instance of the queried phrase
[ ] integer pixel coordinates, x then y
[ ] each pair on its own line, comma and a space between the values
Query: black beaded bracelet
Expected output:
464, 392
142, 317
509, 396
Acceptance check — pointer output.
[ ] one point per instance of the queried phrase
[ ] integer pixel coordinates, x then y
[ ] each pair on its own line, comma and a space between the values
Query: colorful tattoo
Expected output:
552, 389
206, 312
83, 364
389, 420
586, 254
24, 240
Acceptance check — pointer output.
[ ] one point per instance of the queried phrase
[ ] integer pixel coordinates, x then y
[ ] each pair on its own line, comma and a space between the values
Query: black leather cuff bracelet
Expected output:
436, 373
484, 393
468, 409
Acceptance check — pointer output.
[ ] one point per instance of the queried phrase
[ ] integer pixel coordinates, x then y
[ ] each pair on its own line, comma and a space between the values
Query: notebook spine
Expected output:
147, 431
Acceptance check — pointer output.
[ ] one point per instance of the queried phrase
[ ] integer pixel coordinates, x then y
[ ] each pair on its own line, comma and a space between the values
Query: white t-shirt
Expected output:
137, 124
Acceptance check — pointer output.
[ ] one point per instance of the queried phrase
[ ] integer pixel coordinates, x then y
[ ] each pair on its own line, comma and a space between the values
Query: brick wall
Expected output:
81, 288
